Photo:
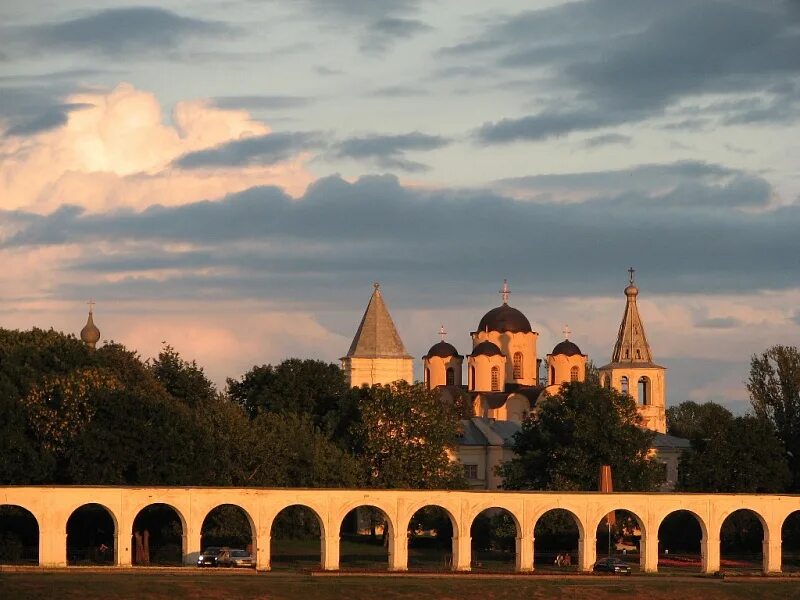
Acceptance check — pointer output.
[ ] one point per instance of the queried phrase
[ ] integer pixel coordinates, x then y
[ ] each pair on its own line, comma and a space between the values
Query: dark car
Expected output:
612, 565
208, 557
235, 558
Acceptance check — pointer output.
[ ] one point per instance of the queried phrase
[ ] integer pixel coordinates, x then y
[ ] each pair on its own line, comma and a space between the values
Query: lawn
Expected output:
147, 585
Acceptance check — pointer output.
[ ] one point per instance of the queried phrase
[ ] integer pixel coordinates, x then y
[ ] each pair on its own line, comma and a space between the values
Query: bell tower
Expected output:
632, 370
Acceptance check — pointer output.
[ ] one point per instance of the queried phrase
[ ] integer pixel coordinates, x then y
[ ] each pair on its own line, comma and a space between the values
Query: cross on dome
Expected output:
505, 292
566, 332
442, 332
631, 271
91, 304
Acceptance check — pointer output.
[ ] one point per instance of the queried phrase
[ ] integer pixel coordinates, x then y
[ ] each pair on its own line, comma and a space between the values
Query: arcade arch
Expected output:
158, 536
91, 536
19, 536
296, 538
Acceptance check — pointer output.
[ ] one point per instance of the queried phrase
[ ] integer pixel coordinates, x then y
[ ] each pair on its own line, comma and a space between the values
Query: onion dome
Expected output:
505, 318
487, 348
566, 348
442, 350
90, 334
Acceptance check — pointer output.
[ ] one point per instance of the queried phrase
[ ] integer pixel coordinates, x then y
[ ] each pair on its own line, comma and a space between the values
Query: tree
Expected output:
183, 380
300, 386
734, 454
774, 387
692, 421
563, 444
404, 436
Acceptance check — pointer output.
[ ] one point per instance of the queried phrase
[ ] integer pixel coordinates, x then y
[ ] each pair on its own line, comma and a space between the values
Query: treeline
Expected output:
70, 415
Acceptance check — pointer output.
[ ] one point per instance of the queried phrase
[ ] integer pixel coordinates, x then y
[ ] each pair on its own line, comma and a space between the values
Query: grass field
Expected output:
147, 585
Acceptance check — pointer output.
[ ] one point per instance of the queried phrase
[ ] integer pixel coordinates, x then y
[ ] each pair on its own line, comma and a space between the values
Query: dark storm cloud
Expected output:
257, 102
389, 151
122, 32
626, 61
257, 150
688, 238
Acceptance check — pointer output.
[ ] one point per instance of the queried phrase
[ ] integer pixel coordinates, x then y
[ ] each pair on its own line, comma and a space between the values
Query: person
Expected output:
566, 560
558, 560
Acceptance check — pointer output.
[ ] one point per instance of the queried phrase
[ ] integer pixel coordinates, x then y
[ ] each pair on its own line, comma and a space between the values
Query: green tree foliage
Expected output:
182, 379
572, 434
404, 434
693, 421
774, 386
300, 386
734, 454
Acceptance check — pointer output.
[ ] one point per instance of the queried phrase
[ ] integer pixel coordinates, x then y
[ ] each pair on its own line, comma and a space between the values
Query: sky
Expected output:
230, 176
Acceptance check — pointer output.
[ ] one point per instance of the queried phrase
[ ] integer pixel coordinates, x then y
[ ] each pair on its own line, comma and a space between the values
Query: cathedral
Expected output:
504, 376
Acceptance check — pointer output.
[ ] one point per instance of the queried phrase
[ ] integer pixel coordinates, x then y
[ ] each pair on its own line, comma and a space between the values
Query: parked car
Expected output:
208, 557
612, 565
235, 558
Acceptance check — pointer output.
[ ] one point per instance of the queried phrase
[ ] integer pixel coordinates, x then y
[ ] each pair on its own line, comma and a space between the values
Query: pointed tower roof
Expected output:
631, 346
377, 336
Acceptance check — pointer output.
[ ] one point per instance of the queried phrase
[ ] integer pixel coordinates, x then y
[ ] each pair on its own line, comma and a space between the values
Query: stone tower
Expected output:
377, 354
632, 370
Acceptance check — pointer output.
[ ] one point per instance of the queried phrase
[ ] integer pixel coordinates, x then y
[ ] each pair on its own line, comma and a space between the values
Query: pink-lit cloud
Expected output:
118, 152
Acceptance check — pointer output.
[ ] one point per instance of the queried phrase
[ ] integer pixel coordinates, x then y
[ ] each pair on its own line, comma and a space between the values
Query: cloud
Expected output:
399, 91
256, 102
117, 150
266, 149
262, 241
388, 30
389, 151
614, 62
645, 181
718, 323
379, 23
122, 32
53, 117
606, 139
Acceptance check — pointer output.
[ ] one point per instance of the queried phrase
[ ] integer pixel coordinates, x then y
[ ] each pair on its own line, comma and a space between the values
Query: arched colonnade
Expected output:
52, 507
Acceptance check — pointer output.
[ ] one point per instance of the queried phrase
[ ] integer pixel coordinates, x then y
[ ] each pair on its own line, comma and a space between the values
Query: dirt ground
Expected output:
163, 585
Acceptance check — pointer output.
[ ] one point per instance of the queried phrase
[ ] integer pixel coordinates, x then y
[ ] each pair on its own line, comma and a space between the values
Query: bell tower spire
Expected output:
631, 343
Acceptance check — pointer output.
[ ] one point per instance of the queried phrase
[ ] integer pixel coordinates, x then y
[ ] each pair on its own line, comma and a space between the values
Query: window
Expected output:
552, 375
450, 376
472, 377
623, 384
517, 365
428, 378
644, 390
627, 353
638, 355
573, 374
471, 471
495, 379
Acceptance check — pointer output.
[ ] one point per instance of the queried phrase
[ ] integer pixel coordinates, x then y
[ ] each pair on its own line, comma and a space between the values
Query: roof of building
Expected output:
487, 348
505, 318
442, 350
567, 348
480, 431
377, 336
663, 441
